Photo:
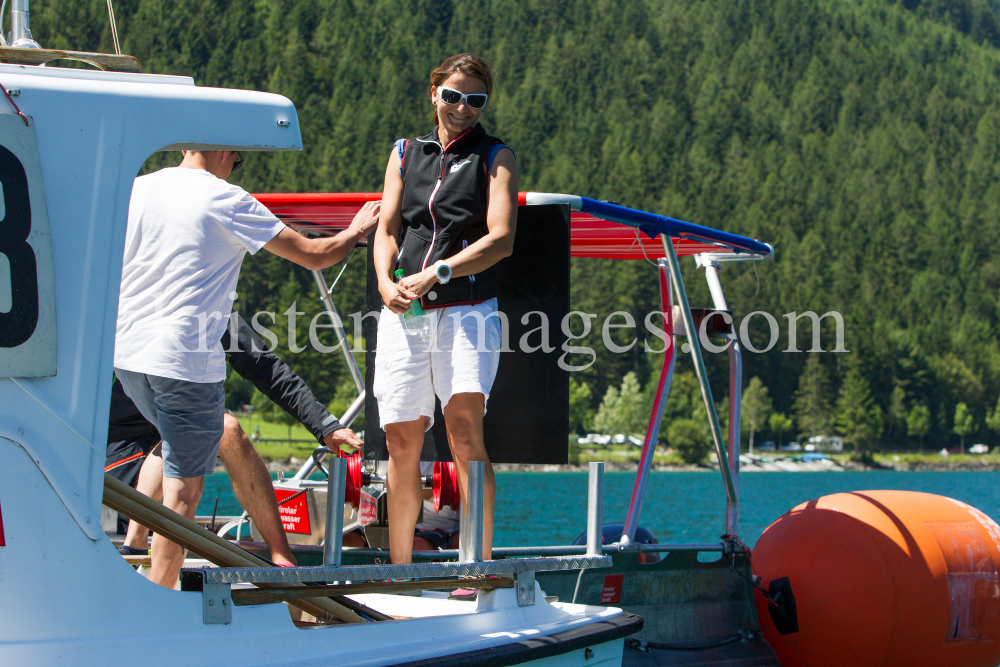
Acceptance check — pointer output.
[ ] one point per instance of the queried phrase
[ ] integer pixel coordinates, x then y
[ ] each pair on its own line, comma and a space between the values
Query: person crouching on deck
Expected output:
135, 457
188, 232
449, 212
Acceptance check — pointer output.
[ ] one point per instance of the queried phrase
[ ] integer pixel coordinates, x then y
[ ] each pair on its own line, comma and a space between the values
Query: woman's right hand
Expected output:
396, 298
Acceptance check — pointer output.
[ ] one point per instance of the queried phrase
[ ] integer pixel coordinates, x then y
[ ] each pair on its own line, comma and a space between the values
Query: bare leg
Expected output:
149, 484
404, 440
463, 417
254, 491
180, 494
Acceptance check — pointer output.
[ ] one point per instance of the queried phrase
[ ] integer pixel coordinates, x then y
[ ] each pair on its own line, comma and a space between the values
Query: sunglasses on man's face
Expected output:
238, 162
472, 100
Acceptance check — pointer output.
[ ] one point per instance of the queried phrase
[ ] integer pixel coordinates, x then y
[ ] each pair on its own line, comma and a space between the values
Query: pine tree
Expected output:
918, 423
812, 399
755, 407
993, 419
858, 416
580, 414
964, 424
622, 410
779, 423
897, 410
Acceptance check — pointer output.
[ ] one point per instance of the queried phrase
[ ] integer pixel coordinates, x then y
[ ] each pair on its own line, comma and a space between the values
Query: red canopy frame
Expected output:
329, 213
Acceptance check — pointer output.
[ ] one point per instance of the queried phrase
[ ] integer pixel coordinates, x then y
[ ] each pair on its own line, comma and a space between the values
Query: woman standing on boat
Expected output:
449, 211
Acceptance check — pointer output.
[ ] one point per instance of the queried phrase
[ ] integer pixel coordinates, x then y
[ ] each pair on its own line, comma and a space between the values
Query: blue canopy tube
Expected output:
653, 224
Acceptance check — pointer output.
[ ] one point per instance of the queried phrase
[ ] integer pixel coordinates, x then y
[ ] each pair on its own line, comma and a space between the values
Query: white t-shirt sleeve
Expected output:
253, 224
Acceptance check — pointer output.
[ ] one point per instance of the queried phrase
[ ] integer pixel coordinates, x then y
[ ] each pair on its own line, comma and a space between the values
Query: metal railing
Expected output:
471, 538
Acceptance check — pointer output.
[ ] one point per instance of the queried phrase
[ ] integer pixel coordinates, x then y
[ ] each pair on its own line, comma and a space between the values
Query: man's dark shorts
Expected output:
188, 415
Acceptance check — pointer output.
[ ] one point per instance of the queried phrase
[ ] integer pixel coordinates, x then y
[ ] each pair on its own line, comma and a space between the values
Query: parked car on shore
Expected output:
767, 446
792, 447
979, 449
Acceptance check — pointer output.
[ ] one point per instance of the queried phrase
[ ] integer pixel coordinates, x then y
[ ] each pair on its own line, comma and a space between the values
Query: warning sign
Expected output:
294, 511
612, 590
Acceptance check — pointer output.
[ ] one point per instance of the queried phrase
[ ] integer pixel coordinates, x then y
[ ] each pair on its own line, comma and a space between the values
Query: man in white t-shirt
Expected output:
188, 232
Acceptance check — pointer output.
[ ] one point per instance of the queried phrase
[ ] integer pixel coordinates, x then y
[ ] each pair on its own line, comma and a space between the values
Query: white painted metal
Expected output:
542, 198
68, 596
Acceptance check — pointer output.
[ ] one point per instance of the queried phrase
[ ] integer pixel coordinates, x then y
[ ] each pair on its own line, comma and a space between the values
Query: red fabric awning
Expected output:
589, 236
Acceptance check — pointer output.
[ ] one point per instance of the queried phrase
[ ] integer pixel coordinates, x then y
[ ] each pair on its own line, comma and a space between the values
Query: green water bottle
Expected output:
415, 319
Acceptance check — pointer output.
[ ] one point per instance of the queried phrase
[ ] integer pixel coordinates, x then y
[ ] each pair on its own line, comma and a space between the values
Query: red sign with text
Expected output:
612, 590
368, 512
295, 512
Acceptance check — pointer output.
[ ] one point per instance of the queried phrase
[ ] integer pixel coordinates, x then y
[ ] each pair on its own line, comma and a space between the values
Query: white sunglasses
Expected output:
452, 97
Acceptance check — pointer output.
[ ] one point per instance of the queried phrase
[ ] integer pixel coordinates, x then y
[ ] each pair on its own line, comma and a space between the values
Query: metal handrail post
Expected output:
595, 508
338, 328
699, 367
333, 540
735, 399
474, 511
735, 396
656, 416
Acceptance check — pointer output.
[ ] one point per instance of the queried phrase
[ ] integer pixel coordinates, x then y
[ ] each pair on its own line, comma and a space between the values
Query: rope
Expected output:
756, 581
346, 262
11, 100
114, 28
638, 240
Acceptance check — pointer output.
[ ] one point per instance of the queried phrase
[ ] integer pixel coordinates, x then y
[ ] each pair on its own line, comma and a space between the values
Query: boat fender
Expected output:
874, 578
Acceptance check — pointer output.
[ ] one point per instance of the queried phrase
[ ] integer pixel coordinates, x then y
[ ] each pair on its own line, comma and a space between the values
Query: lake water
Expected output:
536, 508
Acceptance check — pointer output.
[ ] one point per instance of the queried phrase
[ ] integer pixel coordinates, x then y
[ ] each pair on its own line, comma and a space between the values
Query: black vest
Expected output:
445, 196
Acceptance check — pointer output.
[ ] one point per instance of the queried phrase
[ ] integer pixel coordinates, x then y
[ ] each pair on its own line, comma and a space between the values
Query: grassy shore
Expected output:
284, 450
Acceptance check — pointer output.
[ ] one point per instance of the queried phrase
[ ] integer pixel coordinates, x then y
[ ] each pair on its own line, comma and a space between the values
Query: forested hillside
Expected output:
860, 137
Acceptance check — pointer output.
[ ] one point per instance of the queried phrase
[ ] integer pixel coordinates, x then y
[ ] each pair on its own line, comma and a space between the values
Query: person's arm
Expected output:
318, 254
275, 379
387, 239
501, 219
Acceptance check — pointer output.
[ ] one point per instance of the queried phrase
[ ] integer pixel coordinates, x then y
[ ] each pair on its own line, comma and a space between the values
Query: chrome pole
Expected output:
595, 509
735, 398
463, 532
338, 328
352, 412
333, 540
699, 368
656, 416
20, 26
477, 478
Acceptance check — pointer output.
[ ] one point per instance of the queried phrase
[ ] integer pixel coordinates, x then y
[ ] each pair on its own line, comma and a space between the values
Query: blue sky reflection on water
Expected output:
535, 508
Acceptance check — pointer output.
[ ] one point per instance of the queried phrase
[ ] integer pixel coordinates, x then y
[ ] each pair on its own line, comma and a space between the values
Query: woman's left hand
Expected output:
420, 283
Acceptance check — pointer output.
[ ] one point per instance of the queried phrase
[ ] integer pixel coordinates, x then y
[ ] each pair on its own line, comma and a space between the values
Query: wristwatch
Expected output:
443, 271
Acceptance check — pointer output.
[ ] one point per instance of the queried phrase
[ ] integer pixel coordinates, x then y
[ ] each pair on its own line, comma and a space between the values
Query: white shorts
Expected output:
460, 356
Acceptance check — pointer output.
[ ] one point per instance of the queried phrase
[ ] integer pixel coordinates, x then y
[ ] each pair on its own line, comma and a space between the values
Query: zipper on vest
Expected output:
472, 279
430, 200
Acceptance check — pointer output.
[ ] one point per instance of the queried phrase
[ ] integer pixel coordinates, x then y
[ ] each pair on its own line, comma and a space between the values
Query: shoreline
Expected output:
293, 464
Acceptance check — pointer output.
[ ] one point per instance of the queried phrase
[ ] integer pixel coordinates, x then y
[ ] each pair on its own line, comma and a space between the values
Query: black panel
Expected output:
527, 418
783, 612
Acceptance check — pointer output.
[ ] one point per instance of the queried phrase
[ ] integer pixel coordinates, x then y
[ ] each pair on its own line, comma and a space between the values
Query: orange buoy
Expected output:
886, 578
